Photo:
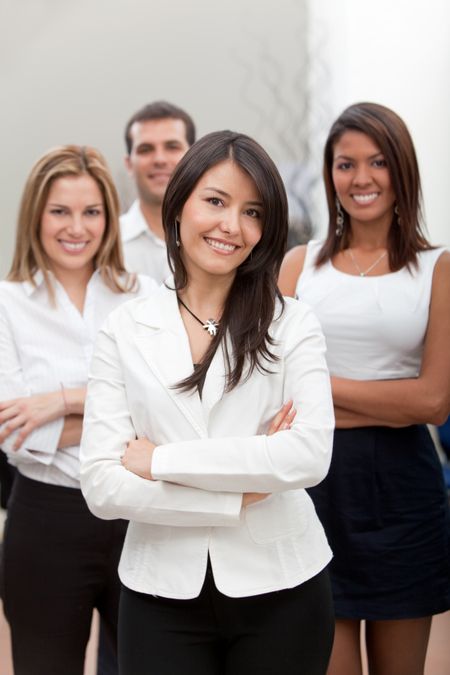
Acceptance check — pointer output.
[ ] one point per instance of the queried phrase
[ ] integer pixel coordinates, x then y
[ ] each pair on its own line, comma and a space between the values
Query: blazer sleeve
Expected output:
109, 489
295, 458
42, 443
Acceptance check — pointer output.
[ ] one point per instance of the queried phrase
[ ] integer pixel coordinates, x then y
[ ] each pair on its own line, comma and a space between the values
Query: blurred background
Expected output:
278, 70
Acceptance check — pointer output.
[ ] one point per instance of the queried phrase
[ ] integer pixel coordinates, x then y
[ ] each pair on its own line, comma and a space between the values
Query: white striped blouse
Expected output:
44, 346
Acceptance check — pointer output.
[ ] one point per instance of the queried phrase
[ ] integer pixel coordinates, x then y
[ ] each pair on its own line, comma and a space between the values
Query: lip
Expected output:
365, 198
73, 247
218, 245
159, 176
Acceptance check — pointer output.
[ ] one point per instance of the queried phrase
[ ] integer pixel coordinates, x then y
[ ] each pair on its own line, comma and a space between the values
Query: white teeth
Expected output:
365, 199
74, 246
220, 245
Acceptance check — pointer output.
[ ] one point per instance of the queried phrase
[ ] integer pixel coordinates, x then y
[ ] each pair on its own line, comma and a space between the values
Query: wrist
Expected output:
74, 401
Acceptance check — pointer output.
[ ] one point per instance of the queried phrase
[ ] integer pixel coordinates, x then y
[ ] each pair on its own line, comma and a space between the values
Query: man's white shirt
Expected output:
144, 252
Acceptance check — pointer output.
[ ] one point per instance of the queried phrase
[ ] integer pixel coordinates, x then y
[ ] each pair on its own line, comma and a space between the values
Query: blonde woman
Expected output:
59, 561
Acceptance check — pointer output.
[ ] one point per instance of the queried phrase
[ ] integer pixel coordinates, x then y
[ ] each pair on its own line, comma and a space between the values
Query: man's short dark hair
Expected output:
160, 110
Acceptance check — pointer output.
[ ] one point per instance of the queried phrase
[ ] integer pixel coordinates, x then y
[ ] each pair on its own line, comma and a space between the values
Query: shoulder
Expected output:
441, 273
295, 263
297, 322
146, 284
14, 290
291, 269
132, 223
122, 320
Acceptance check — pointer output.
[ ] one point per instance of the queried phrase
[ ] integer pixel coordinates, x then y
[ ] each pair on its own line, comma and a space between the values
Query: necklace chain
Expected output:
363, 273
211, 325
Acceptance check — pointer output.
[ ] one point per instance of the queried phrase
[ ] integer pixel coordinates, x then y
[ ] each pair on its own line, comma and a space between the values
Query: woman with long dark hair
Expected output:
382, 294
224, 564
59, 561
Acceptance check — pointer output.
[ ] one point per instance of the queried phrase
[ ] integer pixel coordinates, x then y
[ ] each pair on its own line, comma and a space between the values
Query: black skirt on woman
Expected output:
385, 510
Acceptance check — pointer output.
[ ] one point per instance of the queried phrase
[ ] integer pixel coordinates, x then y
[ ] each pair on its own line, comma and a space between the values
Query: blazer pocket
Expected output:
279, 516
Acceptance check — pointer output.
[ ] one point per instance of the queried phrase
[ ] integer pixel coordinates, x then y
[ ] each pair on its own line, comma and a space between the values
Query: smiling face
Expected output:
157, 147
362, 181
72, 224
221, 221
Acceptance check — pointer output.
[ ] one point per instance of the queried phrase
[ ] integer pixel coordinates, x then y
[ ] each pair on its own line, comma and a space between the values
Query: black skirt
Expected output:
385, 510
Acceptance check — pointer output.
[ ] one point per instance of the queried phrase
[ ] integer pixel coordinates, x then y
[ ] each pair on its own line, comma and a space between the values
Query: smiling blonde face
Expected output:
221, 221
361, 179
72, 224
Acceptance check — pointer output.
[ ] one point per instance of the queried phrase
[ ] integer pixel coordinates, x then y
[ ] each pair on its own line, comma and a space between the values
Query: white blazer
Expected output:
210, 451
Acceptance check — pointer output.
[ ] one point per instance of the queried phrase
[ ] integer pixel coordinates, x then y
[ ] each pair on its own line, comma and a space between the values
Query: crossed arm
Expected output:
395, 403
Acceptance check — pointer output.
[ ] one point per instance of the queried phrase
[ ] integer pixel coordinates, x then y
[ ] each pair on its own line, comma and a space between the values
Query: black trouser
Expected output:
288, 632
59, 562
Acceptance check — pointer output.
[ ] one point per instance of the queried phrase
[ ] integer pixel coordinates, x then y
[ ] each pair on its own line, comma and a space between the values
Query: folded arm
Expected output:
425, 399
31, 425
113, 492
295, 458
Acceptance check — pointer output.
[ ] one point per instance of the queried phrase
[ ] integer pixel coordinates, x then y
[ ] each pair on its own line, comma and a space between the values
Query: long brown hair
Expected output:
390, 134
29, 255
250, 305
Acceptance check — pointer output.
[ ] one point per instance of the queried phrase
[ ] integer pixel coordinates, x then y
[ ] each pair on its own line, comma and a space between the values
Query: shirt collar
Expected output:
38, 281
133, 222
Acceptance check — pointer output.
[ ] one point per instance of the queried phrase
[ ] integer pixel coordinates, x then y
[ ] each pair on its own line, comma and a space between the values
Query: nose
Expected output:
230, 222
362, 175
160, 156
76, 227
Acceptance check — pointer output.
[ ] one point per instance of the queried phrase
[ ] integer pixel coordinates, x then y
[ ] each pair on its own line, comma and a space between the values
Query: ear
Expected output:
127, 162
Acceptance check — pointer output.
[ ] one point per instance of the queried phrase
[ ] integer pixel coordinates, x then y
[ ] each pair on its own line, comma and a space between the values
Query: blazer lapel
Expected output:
214, 386
162, 340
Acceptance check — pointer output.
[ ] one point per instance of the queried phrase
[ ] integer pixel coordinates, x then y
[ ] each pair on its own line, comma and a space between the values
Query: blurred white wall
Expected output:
74, 72
396, 53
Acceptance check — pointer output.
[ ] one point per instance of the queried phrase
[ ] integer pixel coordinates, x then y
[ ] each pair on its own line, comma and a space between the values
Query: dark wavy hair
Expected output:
390, 134
250, 305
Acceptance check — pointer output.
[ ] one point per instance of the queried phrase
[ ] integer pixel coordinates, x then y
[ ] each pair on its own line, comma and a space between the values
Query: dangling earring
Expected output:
339, 218
177, 234
397, 213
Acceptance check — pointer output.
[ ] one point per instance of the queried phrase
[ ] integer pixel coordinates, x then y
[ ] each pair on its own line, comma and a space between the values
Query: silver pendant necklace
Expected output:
363, 273
211, 325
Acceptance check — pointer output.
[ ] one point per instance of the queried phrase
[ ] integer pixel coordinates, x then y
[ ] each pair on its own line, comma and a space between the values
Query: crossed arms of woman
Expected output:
35, 425
396, 403
200, 481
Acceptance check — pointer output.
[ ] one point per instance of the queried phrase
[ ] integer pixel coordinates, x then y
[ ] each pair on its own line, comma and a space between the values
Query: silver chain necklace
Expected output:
363, 273
211, 325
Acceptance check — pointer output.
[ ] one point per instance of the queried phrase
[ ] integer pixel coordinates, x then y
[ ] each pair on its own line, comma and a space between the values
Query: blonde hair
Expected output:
29, 255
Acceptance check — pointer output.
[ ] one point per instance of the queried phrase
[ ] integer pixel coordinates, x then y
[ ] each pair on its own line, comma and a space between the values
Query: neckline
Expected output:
368, 276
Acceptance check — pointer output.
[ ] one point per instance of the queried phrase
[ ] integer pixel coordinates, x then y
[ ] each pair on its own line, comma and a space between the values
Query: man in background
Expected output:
157, 136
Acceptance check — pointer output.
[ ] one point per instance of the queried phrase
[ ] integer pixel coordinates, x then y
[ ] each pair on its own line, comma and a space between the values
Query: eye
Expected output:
93, 212
380, 163
253, 213
344, 166
57, 211
143, 149
215, 201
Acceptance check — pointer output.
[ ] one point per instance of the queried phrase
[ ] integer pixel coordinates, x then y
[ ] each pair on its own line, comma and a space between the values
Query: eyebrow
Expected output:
225, 194
89, 206
348, 157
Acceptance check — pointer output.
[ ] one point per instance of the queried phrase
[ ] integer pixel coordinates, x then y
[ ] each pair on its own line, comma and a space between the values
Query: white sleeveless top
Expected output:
374, 326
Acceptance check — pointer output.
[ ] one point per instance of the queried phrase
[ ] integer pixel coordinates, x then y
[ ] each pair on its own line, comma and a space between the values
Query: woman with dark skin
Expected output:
382, 295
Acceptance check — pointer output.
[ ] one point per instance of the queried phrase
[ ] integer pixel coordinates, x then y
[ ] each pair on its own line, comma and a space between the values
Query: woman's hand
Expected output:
137, 458
28, 413
283, 419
